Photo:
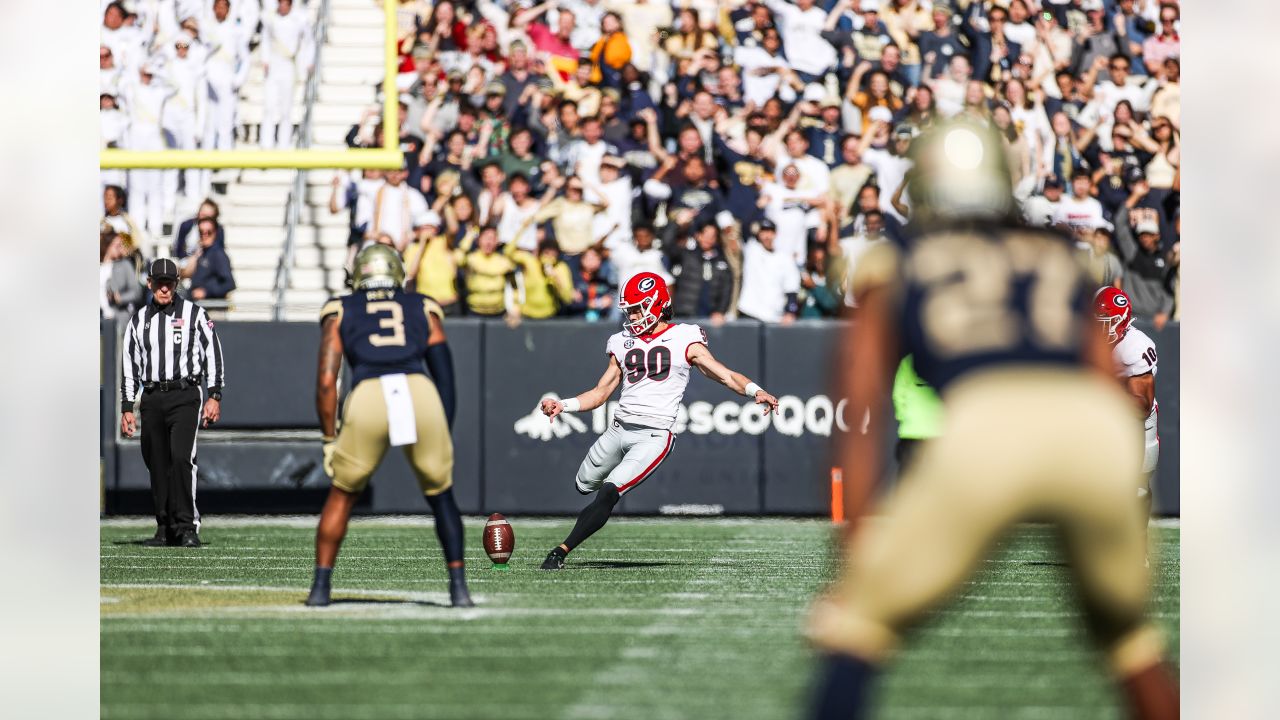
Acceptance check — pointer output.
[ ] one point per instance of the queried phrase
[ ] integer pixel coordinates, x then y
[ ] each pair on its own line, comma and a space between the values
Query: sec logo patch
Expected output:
628, 344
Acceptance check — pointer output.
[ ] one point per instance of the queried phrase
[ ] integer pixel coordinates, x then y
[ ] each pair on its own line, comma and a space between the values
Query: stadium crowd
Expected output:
751, 151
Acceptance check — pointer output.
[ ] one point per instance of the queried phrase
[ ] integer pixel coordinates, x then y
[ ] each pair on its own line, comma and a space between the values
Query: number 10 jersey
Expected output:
655, 373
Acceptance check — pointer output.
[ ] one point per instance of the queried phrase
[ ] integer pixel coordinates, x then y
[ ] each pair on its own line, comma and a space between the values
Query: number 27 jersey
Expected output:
655, 373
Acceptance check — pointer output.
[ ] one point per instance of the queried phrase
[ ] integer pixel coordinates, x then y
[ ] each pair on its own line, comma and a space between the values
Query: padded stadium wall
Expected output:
728, 458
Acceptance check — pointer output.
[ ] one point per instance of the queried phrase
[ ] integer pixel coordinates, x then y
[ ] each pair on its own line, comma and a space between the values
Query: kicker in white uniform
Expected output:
1135, 358
651, 359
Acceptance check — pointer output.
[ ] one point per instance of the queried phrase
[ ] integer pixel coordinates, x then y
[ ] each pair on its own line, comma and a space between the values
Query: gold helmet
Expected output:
378, 266
960, 173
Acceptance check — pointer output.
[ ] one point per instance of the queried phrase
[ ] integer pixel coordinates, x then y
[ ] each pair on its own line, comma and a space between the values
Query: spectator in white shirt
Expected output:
615, 192
394, 210
1120, 86
949, 90
1041, 214
890, 162
585, 154
802, 23
629, 258
815, 176
518, 207
1081, 210
764, 70
793, 212
770, 279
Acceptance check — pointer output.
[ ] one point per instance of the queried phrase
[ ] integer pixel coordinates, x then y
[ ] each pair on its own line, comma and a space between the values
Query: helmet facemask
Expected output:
647, 319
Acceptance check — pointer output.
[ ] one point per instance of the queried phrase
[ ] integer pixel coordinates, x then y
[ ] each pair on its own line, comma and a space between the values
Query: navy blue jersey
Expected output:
976, 298
383, 331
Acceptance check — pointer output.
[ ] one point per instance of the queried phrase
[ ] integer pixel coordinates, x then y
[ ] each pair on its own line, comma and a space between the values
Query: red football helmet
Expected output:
647, 292
1111, 307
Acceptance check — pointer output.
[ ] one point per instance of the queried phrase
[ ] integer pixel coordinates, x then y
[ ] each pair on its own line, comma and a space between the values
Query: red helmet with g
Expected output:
646, 292
1111, 307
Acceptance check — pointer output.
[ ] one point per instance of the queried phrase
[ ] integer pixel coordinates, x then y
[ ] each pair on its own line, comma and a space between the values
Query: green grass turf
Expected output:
672, 618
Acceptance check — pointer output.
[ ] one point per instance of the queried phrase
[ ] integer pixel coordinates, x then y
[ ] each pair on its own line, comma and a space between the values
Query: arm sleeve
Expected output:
307, 47
657, 189
440, 364
212, 348
130, 368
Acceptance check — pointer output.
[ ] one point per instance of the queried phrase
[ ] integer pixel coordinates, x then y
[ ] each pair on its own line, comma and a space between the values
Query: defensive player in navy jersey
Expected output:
386, 334
997, 318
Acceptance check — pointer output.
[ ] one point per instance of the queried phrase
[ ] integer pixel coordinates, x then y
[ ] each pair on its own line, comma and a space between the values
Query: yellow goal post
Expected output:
387, 157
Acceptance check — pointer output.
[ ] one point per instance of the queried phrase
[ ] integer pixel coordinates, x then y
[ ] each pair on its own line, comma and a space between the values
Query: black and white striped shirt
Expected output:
169, 343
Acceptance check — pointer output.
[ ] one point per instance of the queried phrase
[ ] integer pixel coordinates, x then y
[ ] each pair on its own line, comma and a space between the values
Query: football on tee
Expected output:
499, 539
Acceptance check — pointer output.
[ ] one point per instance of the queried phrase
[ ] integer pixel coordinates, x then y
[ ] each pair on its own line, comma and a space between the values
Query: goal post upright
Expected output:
387, 157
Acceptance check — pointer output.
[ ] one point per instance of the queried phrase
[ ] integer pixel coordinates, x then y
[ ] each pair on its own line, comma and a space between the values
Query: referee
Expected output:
169, 347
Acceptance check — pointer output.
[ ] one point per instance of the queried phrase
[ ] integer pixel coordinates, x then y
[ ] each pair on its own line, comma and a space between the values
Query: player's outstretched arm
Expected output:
591, 399
701, 358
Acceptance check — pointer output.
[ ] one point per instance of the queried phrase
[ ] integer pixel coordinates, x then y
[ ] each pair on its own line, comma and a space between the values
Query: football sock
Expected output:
594, 516
842, 688
1152, 693
448, 525
320, 586
324, 575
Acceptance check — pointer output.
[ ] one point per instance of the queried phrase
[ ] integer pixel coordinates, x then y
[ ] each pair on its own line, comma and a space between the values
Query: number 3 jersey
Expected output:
655, 372
383, 331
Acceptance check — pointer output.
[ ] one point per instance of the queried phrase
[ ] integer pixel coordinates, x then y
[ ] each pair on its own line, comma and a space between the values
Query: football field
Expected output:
651, 619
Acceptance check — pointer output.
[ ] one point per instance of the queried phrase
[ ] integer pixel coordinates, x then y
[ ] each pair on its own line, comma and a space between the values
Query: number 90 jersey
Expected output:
655, 372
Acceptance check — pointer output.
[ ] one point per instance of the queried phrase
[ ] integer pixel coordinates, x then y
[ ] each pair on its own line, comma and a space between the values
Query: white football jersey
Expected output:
655, 372
1135, 354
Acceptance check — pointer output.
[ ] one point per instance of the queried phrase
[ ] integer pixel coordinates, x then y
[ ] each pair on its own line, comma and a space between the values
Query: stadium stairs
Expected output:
254, 202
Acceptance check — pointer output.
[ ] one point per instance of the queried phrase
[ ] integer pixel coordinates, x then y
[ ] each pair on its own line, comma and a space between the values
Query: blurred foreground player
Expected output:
651, 359
386, 333
996, 318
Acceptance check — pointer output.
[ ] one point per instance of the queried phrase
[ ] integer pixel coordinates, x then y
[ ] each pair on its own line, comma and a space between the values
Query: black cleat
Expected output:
554, 561
160, 539
319, 596
190, 540
459, 596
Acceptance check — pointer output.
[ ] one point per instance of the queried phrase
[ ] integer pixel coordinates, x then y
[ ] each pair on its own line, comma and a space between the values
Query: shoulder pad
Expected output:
331, 307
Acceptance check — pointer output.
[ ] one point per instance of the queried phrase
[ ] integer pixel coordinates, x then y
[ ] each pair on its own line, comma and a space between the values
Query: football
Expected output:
499, 539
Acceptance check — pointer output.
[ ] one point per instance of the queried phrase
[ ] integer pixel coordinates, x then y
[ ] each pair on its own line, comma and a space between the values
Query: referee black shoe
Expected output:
160, 539
190, 540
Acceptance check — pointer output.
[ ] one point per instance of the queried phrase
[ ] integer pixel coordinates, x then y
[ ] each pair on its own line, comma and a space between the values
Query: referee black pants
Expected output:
169, 421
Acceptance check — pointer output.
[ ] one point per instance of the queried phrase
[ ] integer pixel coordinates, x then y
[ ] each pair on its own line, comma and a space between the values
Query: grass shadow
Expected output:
1047, 563
139, 543
620, 564
385, 601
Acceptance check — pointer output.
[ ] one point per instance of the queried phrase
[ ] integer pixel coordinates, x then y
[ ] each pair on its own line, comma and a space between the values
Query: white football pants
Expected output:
277, 107
623, 457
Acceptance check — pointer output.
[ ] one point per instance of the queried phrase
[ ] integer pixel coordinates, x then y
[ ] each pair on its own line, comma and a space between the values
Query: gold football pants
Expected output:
365, 437
1017, 444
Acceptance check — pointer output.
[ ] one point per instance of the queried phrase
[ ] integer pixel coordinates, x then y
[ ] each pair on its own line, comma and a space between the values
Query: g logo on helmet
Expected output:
1120, 300
646, 284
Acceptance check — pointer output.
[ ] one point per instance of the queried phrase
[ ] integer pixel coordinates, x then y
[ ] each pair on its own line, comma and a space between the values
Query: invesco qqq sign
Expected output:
795, 417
